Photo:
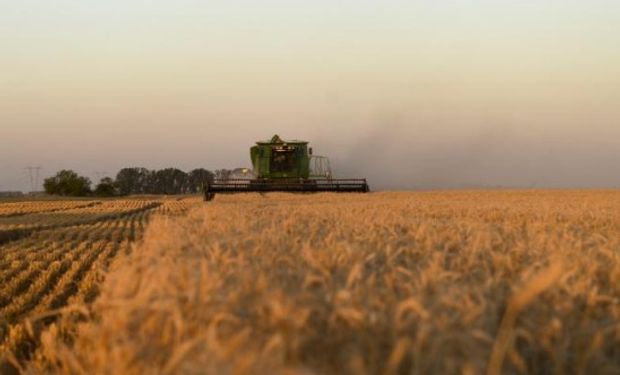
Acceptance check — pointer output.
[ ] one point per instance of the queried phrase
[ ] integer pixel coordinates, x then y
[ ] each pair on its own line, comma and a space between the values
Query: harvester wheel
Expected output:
208, 194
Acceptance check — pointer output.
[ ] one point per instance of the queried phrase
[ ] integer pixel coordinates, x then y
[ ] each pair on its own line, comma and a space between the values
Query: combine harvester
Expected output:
285, 166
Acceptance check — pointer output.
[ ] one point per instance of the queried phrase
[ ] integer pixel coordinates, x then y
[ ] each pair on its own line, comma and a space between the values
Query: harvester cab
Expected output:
285, 166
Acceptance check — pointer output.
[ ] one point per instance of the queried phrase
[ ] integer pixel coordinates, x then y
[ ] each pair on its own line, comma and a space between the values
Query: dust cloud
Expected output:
486, 158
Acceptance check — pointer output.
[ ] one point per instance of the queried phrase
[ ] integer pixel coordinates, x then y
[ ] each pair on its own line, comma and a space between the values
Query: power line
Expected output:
34, 173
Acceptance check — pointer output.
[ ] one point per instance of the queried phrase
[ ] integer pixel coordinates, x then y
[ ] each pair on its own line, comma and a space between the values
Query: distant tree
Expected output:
127, 181
105, 188
133, 181
196, 179
169, 181
67, 183
164, 181
152, 184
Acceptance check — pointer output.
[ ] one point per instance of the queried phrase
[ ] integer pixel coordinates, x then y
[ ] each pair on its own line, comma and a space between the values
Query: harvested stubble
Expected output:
61, 261
450, 282
12, 209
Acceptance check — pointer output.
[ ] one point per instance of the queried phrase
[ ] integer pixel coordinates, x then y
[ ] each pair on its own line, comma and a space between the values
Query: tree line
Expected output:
131, 181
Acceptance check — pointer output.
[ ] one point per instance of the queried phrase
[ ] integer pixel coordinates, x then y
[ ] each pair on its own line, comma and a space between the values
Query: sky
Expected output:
410, 94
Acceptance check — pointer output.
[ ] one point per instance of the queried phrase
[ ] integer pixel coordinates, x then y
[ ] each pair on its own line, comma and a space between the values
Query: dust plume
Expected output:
401, 158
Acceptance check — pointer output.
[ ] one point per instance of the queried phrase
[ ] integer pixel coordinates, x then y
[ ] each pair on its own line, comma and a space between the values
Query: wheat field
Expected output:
54, 254
455, 282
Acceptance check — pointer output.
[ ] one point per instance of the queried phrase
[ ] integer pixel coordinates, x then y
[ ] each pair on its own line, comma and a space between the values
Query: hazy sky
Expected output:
408, 93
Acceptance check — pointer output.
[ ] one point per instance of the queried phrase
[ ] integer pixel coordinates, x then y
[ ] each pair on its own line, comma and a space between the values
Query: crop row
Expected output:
24, 226
13, 209
63, 261
105, 210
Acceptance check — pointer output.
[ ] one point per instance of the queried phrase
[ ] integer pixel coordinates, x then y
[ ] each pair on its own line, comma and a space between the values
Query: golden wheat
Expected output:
23, 208
446, 282
59, 257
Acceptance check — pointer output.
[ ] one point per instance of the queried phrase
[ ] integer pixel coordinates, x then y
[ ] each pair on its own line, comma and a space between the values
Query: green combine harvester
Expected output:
285, 166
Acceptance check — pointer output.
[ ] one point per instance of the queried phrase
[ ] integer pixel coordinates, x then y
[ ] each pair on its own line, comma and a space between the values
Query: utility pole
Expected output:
33, 173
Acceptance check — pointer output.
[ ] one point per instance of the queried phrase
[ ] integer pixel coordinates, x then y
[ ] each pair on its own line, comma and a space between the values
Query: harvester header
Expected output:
286, 166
